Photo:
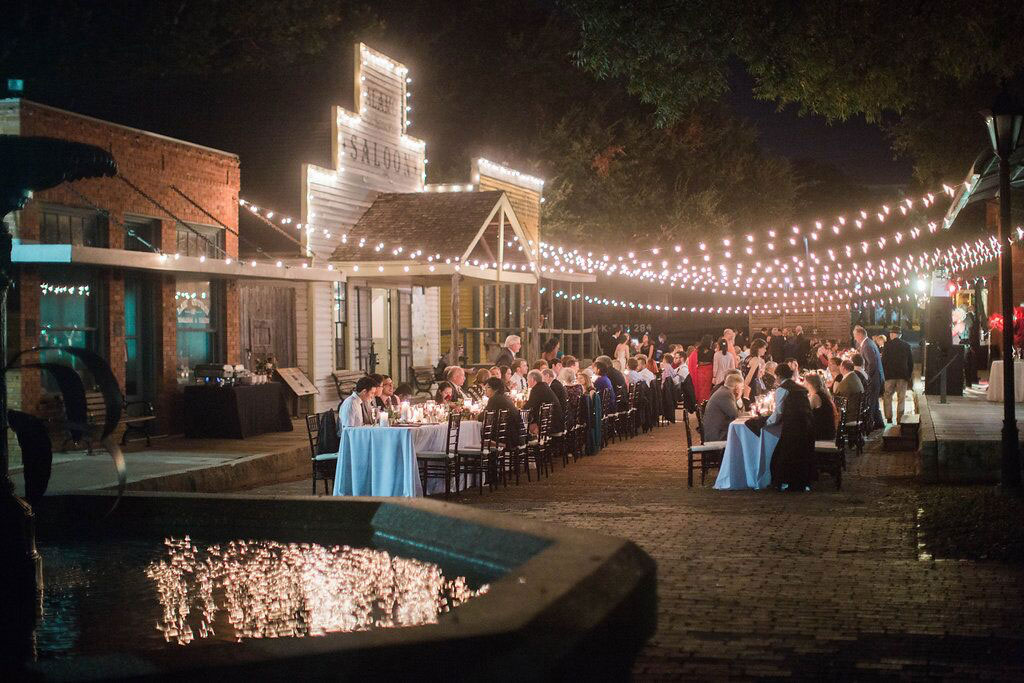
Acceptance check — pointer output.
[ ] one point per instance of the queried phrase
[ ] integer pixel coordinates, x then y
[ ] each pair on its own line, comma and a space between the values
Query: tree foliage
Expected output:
921, 70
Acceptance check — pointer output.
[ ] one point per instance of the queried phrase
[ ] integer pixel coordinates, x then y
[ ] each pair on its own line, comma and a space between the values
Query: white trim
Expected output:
141, 260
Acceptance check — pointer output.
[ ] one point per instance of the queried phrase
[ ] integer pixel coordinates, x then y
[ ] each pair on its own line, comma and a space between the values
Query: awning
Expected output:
69, 254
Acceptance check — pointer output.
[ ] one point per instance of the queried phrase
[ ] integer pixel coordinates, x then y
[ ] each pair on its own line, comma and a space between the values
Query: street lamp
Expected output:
1004, 122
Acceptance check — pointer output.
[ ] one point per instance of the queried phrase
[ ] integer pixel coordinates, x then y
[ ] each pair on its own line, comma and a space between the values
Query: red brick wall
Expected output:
153, 163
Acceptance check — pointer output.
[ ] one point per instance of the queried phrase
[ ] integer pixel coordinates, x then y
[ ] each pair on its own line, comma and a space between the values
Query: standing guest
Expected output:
722, 408
741, 339
445, 392
724, 360
880, 341
518, 379
752, 369
508, 352
822, 355
557, 388
358, 408
700, 365
623, 351
792, 464
762, 334
609, 342
898, 367
601, 379
540, 393
876, 376
785, 375
456, 376
777, 345
661, 347
825, 417
550, 351
618, 380
647, 348
387, 399
498, 400
800, 346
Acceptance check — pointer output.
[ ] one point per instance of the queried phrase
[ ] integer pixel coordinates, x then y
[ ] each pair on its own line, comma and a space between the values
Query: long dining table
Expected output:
747, 461
381, 461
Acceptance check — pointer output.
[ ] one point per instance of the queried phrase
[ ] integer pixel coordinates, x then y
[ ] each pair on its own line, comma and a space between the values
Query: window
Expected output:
340, 325
200, 324
70, 301
210, 244
142, 235
60, 225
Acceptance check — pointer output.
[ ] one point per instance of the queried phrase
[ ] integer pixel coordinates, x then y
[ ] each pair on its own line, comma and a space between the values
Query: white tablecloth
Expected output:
995, 381
748, 458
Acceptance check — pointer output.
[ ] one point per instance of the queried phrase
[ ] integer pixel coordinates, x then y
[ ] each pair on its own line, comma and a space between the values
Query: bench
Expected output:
136, 416
422, 379
345, 381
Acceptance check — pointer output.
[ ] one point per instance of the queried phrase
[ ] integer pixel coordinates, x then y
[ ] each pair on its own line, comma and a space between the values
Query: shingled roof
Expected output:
443, 223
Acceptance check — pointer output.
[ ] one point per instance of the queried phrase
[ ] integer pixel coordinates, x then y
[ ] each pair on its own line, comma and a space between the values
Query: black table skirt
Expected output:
236, 412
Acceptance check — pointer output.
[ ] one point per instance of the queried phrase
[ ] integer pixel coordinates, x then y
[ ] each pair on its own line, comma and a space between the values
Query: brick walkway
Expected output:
811, 585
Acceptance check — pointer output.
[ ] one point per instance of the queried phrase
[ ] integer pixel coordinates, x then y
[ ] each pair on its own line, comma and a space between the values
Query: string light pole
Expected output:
1004, 122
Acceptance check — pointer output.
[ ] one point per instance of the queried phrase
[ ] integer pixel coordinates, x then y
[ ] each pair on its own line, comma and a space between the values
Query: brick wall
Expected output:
153, 163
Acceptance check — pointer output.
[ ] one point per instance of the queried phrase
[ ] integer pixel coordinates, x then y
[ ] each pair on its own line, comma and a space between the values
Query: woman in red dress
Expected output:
700, 366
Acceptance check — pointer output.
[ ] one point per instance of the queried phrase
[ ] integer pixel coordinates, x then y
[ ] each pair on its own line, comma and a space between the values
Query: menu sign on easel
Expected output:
297, 381
372, 153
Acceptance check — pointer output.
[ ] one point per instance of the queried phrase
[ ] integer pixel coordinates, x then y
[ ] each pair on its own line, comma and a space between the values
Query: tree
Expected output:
922, 71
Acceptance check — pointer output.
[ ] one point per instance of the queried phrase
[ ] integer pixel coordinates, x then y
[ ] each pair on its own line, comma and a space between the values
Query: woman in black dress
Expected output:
793, 459
822, 407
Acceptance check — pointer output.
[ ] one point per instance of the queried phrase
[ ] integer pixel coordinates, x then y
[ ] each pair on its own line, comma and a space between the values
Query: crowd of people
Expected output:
801, 372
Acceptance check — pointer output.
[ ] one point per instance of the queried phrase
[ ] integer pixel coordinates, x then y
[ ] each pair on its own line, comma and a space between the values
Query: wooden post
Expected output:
569, 322
535, 321
583, 341
453, 351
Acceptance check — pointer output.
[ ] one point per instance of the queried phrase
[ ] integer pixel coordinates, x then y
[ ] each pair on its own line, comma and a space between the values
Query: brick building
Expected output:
142, 268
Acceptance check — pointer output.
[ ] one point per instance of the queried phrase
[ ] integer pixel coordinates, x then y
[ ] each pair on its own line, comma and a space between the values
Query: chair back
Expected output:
841, 433
544, 422
686, 425
572, 410
313, 432
607, 402
501, 428
524, 427
451, 445
700, 419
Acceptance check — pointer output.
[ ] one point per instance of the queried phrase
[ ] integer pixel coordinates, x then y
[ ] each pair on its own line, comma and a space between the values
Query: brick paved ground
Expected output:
812, 585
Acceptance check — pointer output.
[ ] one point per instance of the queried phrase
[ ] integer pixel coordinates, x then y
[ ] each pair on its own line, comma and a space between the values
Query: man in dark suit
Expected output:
898, 368
801, 346
556, 386
540, 394
508, 353
873, 369
777, 345
498, 400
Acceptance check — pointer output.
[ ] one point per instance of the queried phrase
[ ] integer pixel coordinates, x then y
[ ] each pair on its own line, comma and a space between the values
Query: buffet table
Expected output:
995, 381
381, 461
235, 412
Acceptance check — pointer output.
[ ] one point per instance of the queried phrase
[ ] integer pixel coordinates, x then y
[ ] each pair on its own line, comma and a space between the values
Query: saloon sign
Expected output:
371, 153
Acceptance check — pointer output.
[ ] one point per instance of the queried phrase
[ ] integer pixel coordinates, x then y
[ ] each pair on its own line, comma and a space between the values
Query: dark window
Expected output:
201, 240
59, 225
200, 324
70, 301
363, 327
340, 325
142, 235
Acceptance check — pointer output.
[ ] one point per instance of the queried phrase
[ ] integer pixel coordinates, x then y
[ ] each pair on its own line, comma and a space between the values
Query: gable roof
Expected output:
444, 223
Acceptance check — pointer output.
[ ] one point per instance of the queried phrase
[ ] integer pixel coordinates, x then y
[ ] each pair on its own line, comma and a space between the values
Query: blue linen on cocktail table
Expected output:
747, 462
377, 461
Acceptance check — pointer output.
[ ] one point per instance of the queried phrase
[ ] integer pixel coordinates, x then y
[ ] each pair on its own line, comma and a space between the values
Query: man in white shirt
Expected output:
359, 409
632, 370
519, 375
643, 371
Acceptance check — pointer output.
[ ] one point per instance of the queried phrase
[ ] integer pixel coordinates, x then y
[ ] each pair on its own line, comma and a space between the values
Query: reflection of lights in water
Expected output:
266, 589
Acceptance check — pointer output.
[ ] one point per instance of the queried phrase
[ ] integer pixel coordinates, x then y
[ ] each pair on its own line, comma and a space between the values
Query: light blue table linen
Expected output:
747, 463
377, 461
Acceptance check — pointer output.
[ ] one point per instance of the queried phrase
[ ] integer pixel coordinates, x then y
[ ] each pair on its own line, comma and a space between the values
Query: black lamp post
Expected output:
1005, 121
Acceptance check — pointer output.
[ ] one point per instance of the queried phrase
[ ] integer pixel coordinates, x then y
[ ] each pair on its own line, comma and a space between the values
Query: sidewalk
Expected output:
810, 586
180, 464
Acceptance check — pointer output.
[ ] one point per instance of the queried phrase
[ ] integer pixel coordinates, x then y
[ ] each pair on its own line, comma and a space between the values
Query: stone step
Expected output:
899, 438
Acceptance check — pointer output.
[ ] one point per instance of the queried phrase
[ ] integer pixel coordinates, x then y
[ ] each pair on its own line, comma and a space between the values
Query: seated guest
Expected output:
387, 399
644, 370
858, 366
835, 372
851, 384
456, 376
445, 392
505, 376
794, 364
498, 399
518, 379
722, 408
570, 362
494, 371
540, 364
477, 388
587, 366
618, 380
540, 393
825, 417
359, 409
404, 392
584, 381
601, 379
556, 386
632, 367
666, 367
